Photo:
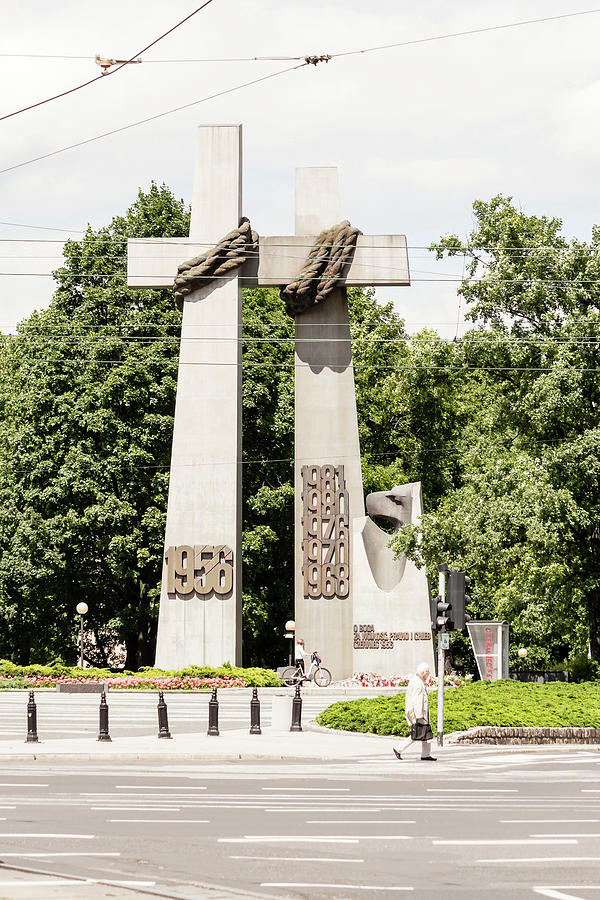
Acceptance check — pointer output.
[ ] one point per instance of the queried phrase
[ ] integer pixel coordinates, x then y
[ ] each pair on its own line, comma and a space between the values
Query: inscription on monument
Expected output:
202, 569
366, 638
325, 532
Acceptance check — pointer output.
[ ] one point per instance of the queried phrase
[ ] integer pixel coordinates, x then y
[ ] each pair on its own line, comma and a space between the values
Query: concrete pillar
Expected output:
204, 509
326, 428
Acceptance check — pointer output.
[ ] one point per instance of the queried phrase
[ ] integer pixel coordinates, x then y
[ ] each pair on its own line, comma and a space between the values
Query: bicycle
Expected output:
294, 675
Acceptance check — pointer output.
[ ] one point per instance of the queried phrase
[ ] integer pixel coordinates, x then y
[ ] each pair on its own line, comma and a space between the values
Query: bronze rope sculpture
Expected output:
232, 251
325, 269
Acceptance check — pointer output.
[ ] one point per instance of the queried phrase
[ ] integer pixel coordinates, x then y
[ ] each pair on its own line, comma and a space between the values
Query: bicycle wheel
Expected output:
290, 676
322, 677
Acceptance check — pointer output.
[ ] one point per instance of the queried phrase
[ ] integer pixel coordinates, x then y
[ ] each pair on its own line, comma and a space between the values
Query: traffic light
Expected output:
441, 614
458, 582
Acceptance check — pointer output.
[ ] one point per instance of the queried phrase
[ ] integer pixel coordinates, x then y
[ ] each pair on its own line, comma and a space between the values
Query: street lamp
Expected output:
290, 633
82, 609
522, 654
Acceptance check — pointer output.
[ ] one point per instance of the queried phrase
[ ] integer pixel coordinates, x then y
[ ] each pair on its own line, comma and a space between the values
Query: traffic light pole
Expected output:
441, 663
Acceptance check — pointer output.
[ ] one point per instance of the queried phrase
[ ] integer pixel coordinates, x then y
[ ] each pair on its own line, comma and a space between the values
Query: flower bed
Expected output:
131, 682
192, 678
372, 679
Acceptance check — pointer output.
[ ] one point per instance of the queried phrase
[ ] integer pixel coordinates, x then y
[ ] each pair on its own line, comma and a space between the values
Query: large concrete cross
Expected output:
200, 606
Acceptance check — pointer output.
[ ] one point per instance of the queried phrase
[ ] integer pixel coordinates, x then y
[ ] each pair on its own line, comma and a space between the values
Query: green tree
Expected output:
87, 396
268, 449
526, 514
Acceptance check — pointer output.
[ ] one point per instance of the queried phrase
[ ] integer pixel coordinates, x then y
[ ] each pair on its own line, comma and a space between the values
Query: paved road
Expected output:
76, 715
482, 822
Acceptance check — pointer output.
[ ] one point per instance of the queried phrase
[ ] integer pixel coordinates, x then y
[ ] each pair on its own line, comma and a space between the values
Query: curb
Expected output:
320, 729
477, 737
527, 736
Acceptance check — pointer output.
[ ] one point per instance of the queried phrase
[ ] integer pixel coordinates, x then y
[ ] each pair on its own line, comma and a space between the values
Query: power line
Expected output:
42, 56
208, 59
131, 340
379, 47
464, 369
104, 74
402, 452
442, 279
41, 228
307, 60
185, 239
167, 112
443, 37
290, 324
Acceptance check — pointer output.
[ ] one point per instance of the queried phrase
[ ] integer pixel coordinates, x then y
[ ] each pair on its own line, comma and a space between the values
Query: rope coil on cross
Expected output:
325, 269
232, 251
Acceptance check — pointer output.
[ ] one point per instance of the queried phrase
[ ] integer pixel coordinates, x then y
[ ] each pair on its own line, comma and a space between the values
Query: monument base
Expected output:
392, 614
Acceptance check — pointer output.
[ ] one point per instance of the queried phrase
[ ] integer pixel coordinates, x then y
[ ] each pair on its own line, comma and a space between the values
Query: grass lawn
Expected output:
499, 703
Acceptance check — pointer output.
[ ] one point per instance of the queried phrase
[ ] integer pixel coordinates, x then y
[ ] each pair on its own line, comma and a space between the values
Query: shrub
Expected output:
581, 668
190, 678
500, 703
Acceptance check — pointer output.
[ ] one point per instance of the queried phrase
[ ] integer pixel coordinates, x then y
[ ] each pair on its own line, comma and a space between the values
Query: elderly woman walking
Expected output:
416, 707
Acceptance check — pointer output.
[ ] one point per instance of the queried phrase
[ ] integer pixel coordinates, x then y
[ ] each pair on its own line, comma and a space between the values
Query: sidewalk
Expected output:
230, 744
310, 744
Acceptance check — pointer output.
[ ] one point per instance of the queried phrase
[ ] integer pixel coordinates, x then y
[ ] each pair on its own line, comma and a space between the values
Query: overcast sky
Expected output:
417, 132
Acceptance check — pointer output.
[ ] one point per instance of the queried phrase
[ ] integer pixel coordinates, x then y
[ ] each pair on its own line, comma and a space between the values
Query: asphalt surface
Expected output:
134, 713
481, 822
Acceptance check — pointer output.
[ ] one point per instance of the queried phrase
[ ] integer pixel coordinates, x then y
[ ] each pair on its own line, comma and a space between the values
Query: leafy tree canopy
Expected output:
524, 514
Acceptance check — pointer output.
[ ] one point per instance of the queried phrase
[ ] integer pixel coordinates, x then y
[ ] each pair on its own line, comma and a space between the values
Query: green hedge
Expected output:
500, 703
254, 677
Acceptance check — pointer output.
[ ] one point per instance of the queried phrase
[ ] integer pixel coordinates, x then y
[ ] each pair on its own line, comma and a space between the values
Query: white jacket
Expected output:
300, 652
416, 704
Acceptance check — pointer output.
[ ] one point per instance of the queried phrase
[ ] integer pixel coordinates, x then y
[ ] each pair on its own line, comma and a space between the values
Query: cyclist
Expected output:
300, 654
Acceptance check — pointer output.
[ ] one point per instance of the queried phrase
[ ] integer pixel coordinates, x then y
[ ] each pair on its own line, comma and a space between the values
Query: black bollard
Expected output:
213, 714
103, 734
255, 713
32, 735
163, 718
297, 711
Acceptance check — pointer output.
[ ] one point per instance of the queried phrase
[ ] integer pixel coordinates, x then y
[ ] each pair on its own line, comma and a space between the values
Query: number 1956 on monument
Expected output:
202, 569
325, 532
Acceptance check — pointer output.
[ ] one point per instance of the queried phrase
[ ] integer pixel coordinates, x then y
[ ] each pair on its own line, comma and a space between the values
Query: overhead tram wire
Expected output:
306, 60
41, 228
455, 34
462, 369
208, 59
376, 48
106, 74
450, 279
159, 241
450, 449
167, 112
